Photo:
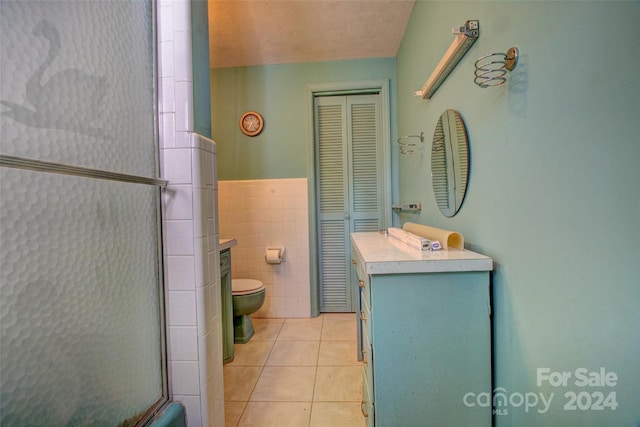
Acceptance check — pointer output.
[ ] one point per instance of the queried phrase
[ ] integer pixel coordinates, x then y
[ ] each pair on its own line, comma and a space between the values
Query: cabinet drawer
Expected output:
363, 278
365, 289
367, 407
367, 358
359, 267
365, 316
360, 272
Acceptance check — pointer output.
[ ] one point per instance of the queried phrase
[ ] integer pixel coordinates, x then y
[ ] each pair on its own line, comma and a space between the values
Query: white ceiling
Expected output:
260, 32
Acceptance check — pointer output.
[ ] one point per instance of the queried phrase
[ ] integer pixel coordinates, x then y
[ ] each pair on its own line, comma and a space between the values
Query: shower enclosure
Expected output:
81, 308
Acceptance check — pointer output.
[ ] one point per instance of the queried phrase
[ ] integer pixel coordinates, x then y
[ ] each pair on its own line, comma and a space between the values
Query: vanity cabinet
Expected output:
226, 298
424, 334
227, 305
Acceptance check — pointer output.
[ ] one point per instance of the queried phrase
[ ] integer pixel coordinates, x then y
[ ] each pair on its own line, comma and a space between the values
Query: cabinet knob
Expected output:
362, 409
364, 356
354, 262
361, 283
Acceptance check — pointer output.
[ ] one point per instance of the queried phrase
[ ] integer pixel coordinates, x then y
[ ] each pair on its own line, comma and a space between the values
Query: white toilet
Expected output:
248, 296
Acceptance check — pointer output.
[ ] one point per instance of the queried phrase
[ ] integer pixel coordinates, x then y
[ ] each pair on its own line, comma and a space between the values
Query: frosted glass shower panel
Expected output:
81, 319
79, 300
77, 80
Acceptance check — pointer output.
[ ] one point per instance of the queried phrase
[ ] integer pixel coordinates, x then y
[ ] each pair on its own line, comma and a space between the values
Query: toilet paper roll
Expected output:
273, 256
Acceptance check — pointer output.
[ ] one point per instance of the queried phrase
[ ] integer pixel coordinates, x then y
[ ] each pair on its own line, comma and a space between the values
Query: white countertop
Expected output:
226, 243
381, 254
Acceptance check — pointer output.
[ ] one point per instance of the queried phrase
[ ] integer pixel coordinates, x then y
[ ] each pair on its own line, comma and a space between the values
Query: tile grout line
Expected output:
259, 375
315, 377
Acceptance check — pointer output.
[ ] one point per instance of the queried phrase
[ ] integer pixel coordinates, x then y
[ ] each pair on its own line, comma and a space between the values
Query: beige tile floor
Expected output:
297, 373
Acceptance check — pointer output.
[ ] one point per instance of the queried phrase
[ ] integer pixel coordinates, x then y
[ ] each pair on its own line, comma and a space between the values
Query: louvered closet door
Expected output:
348, 189
365, 173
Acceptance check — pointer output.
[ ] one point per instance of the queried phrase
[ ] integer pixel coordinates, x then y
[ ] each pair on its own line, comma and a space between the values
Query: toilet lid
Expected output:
246, 286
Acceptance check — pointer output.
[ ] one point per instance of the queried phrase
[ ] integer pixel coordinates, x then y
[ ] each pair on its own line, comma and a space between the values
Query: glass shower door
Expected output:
81, 309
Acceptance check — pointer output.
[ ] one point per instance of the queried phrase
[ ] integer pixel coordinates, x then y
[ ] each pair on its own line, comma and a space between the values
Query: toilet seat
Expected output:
246, 286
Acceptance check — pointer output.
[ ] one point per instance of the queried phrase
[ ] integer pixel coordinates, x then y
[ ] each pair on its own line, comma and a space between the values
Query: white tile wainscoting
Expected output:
263, 213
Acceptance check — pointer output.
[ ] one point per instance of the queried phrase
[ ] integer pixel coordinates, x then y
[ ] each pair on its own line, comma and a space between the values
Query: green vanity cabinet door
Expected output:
227, 305
367, 355
364, 343
359, 305
361, 285
431, 345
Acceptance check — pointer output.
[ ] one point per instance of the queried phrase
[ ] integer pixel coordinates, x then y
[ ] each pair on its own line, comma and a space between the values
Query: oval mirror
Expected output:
450, 162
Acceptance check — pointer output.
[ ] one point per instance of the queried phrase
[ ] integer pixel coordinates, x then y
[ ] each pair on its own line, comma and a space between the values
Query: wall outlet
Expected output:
473, 25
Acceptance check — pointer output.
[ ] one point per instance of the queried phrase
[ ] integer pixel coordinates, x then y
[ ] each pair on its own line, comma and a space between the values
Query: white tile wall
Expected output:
190, 231
263, 213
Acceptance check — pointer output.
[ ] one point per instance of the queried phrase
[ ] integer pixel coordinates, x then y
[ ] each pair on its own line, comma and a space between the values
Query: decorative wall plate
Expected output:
251, 123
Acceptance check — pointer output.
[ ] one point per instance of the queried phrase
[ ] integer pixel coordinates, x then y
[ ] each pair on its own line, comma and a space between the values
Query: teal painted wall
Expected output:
553, 194
280, 94
200, 61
